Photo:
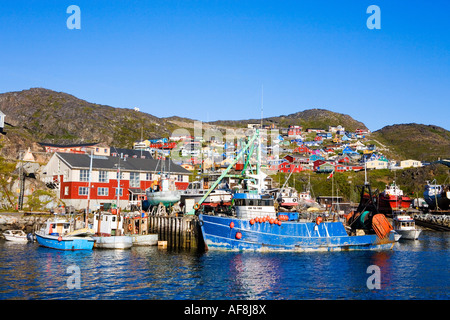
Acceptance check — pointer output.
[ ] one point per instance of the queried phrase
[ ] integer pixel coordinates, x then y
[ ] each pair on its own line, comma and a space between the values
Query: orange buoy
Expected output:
231, 225
252, 221
271, 221
238, 235
279, 222
59, 238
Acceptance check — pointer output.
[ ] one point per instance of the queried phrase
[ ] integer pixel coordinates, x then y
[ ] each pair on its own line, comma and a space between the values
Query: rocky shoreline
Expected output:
433, 219
26, 222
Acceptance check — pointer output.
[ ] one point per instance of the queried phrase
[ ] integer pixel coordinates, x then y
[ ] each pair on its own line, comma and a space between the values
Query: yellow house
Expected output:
410, 163
337, 140
377, 164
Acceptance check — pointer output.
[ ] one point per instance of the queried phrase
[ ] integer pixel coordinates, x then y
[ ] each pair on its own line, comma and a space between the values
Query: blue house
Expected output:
315, 157
348, 150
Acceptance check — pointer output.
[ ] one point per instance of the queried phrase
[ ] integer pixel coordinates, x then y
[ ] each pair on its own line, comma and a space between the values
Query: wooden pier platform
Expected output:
179, 232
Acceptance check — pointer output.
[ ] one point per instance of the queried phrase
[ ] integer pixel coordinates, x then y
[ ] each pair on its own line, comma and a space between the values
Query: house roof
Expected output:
82, 161
131, 152
44, 144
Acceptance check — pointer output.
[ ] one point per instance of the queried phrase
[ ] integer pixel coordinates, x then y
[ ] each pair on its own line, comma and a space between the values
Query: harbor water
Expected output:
412, 270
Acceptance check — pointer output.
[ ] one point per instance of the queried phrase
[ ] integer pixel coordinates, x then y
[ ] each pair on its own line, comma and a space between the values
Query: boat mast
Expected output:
89, 190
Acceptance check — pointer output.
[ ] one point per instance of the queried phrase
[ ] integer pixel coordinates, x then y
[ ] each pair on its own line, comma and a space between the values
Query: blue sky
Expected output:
208, 60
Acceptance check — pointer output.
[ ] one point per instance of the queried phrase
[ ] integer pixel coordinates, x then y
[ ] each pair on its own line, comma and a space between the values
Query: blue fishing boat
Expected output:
56, 234
437, 196
248, 231
252, 223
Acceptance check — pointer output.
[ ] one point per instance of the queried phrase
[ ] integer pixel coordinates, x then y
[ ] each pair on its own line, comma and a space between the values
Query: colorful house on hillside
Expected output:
349, 151
302, 149
377, 162
325, 168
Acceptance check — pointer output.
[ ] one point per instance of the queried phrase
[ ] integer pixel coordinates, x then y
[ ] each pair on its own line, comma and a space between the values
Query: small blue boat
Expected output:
62, 238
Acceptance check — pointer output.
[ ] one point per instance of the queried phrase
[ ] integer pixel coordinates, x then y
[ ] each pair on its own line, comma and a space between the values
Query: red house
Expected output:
69, 174
302, 149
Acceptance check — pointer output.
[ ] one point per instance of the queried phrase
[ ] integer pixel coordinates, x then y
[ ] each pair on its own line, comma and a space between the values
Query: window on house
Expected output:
66, 191
103, 176
84, 175
180, 177
120, 191
83, 191
102, 191
148, 176
134, 180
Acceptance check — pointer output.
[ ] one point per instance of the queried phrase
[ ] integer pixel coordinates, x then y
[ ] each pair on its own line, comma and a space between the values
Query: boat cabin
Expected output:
109, 224
404, 222
251, 205
57, 227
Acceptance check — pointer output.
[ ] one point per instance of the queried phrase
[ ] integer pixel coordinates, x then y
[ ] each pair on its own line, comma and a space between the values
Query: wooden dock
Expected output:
179, 232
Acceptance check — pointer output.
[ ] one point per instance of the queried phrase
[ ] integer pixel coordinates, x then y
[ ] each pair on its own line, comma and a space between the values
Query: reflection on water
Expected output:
413, 270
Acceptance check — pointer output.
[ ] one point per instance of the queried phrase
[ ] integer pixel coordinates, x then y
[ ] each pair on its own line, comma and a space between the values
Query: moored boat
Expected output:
253, 224
109, 233
136, 227
15, 236
56, 235
163, 191
288, 198
406, 227
437, 196
392, 198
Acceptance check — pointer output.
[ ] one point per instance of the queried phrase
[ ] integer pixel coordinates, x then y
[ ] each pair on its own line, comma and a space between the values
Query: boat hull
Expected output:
289, 236
167, 198
113, 242
409, 234
15, 237
65, 243
144, 239
442, 200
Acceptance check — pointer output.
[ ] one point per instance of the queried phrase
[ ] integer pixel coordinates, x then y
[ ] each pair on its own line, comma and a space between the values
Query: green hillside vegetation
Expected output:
415, 141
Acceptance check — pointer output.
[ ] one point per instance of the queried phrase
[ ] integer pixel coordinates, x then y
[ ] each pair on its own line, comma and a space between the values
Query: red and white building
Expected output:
68, 173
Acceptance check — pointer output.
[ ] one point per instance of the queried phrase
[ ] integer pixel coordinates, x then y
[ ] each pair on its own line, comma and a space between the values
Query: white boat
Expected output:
15, 236
163, 191
136, 227
406, 227
195, 192
288, 197
397, 236
108, 228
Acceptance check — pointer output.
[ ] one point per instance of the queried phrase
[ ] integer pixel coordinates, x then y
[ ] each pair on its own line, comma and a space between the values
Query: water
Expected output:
412, 270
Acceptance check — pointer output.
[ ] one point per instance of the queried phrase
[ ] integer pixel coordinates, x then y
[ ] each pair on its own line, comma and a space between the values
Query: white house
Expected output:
410, 163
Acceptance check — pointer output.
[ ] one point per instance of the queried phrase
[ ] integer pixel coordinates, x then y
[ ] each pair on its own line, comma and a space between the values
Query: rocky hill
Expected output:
311, 118
415, 141
42, 115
